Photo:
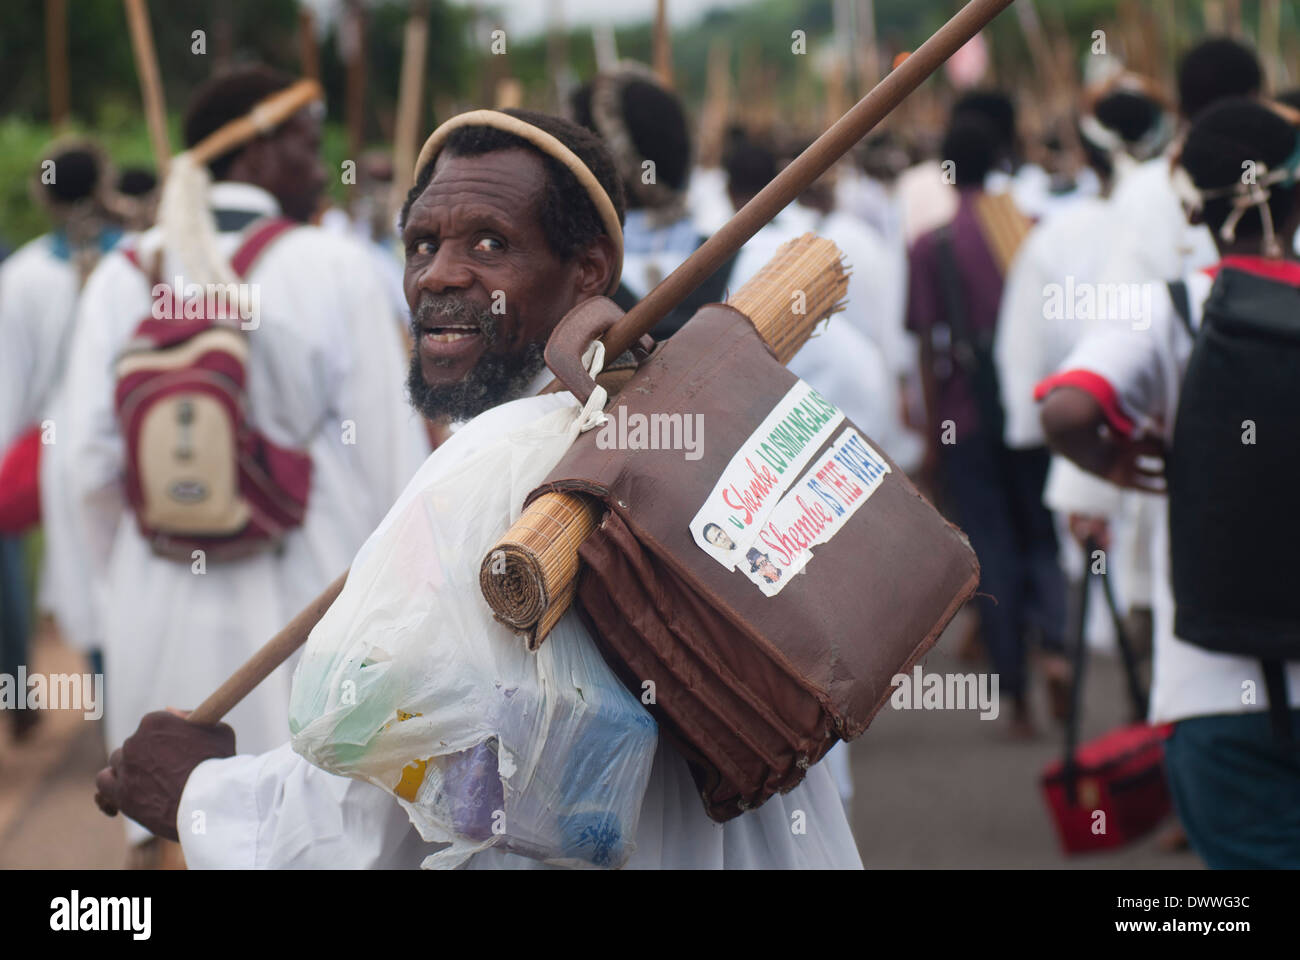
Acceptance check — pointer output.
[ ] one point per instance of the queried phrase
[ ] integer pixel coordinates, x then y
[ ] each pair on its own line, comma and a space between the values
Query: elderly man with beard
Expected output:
502, 236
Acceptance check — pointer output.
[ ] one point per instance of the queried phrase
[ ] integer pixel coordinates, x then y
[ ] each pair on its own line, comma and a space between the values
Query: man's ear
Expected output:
596, 266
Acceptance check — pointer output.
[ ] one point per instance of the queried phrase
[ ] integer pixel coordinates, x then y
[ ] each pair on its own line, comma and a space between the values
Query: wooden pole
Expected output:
557, 57
868, 46
355, 108
56, 59
308, 50
679, 284
261, 664
663, 46
410, 98
717, 104
605, 45
146, 65
1270, 46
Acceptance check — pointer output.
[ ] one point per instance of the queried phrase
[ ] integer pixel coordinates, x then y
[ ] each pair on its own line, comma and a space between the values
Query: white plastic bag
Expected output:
409, 683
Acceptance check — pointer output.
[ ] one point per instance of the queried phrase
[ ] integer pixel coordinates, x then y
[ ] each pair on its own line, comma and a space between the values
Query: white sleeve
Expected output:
17, 360
277, 811
1126, 369
1019, 348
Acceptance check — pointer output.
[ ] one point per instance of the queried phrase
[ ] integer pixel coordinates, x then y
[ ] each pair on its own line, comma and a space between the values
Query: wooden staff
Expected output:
56, 59
308, 51
1270, 48
557, 56
663, 46
679, 284
605, 46
260, 665
146, 65
355, 103
415, 45
717, 104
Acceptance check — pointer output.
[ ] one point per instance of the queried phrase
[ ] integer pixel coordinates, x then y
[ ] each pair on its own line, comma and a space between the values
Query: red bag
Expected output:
198, 475
1115, 791
20, 487
1111, 790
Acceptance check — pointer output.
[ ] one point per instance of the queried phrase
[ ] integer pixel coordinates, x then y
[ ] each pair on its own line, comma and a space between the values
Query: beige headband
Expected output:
263, 118
551, 147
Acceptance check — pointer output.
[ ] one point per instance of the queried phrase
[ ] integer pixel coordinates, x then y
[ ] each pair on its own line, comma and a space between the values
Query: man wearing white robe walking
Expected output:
323, 374
492, 219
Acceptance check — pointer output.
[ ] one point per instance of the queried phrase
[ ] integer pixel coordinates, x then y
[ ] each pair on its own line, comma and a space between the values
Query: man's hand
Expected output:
145, 777
1086, 528
1076, 427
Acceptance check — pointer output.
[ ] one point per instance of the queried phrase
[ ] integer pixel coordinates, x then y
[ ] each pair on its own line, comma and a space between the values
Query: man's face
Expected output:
293, 172
484, 287
768, 571
719, 539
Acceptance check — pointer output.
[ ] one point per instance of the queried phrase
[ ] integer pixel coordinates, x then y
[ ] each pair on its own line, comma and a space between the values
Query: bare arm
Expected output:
1076, 428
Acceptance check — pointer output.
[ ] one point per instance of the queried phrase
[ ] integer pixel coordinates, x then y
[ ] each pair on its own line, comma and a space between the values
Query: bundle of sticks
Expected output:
530, 575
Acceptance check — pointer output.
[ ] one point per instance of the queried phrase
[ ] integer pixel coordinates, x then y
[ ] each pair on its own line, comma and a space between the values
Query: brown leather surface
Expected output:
756, 687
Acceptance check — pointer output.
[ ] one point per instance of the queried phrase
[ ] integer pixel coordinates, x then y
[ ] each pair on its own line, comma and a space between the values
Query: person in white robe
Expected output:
476, 176
39, 287
324, 374
1052, 296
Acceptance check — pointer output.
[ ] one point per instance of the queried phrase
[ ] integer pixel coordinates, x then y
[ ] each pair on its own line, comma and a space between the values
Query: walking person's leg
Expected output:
973, 475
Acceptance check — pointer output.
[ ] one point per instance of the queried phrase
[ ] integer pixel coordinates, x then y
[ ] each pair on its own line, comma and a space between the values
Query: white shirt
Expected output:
325, 372
1144, 371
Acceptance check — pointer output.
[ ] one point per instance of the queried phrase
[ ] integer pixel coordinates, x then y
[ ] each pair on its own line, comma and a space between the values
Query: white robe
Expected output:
326, 371
277, 810
38, 302
1153, 240
38, 297
841, 359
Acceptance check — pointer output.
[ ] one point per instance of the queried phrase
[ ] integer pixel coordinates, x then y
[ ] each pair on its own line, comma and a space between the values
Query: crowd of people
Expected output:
980, 347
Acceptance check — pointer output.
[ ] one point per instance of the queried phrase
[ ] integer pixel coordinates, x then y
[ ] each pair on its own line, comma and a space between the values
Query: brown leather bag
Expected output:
752, 688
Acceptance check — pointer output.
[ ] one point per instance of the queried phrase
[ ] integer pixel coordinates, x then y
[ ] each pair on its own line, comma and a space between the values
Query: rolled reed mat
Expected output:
533, 569
803, 284
529, 578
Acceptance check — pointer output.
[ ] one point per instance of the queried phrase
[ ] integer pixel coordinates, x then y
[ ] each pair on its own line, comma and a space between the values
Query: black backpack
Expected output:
1234, 479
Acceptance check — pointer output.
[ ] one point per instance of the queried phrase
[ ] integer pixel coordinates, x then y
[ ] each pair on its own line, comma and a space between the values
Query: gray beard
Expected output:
495, 379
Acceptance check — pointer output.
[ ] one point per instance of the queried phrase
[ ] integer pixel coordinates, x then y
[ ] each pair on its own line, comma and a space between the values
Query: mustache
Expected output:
437, 310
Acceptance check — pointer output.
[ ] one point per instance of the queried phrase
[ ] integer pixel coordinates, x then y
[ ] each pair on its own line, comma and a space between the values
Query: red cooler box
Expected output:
1120, 775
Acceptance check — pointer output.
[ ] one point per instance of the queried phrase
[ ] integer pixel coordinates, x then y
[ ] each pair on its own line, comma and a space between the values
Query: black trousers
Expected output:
997, 495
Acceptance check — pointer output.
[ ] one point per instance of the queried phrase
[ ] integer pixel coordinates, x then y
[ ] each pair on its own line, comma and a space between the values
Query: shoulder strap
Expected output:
256, 241
1182, 304
253, 245
1279, 706
1079, 653
954, 298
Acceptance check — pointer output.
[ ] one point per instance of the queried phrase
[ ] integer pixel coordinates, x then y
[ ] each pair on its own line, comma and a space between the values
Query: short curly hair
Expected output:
568, 216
